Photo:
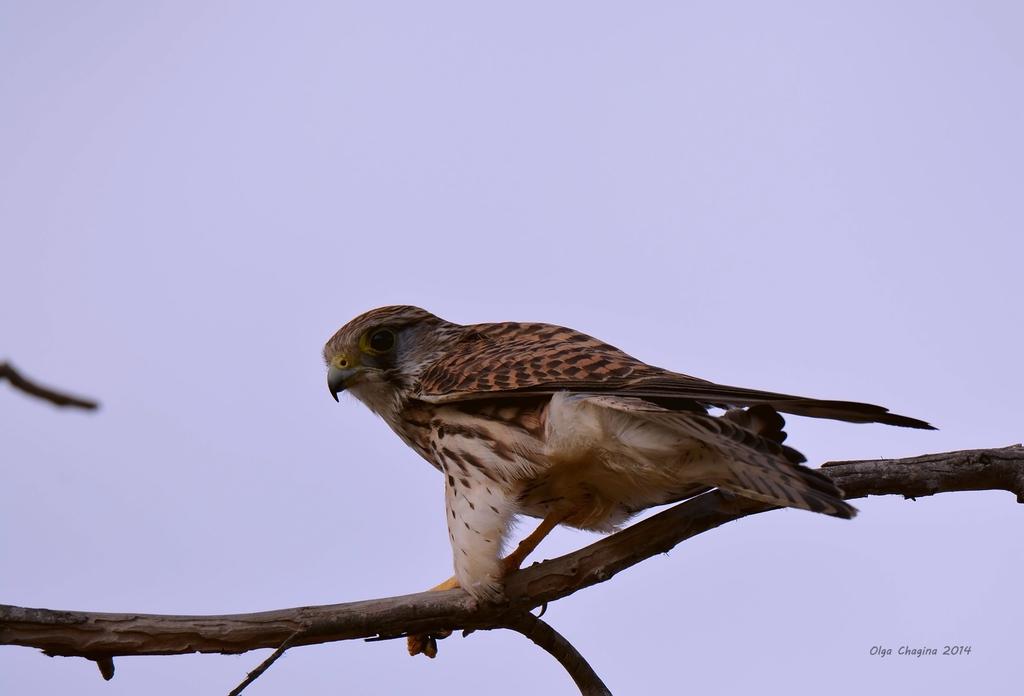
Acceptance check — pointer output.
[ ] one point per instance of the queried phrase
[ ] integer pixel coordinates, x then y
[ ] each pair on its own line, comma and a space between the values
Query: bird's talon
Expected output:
430, 649
425, 643
415, 644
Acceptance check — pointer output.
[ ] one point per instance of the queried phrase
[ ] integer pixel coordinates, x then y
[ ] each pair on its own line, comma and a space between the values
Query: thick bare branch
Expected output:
967, 470
97, 636
19, 381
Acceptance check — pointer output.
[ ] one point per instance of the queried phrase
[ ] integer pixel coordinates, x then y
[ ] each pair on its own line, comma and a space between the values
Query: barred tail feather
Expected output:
786, 485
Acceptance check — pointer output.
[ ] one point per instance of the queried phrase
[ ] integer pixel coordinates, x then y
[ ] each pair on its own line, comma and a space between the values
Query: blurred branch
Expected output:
101, 637
57, 398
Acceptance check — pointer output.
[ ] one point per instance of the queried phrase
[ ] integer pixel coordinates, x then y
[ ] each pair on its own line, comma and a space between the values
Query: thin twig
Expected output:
57, 398
265, 665
557, 646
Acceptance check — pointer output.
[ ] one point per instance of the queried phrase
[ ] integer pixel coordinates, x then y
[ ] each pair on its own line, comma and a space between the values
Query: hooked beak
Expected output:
336, 378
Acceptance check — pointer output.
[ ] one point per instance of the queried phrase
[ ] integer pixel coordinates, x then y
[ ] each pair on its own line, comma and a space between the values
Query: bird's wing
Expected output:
530, 359
744, 462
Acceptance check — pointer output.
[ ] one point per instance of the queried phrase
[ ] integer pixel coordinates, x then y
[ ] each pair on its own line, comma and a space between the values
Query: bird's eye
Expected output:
380, 341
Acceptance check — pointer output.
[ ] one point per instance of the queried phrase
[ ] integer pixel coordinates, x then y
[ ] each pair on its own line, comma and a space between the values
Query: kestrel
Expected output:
541, 420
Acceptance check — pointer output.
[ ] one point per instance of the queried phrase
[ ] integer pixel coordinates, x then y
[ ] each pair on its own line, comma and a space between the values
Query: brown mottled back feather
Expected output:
513, 359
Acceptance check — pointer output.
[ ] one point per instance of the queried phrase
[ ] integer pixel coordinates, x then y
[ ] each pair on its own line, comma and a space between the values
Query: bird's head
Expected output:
378, 355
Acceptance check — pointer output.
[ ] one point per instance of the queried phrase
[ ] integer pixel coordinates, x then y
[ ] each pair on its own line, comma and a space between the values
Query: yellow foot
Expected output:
514, 560
426, 643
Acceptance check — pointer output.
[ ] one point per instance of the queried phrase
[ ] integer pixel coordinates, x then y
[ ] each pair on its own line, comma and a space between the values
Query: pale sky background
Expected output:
814, 197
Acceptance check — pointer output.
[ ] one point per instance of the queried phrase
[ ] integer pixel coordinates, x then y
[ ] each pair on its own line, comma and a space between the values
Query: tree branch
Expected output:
557, 646
100, 636
57, 398
966, 470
